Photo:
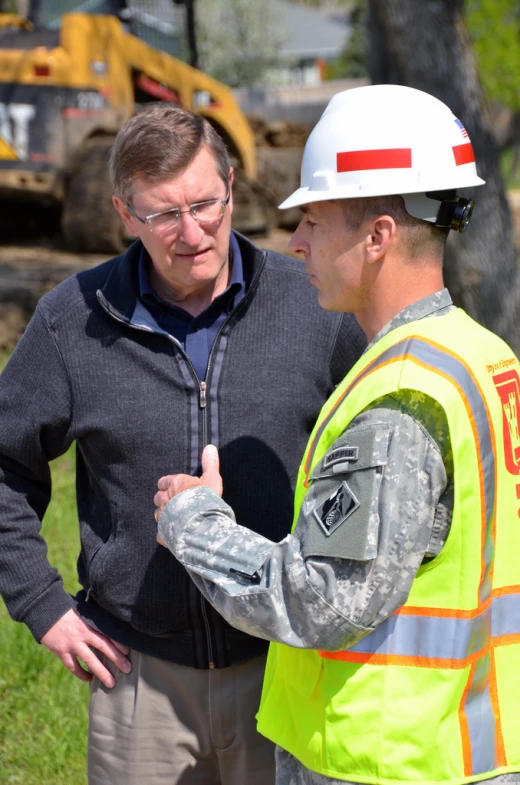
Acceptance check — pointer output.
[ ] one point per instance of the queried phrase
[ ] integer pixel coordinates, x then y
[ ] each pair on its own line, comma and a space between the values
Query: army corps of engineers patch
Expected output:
336, 509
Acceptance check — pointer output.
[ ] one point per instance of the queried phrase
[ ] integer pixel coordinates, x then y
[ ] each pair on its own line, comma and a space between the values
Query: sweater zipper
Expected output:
202, 405
211, 661
203, 388
203, 392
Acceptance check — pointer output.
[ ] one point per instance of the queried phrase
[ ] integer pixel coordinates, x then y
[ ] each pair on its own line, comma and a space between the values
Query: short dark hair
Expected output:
421, 236
160, 142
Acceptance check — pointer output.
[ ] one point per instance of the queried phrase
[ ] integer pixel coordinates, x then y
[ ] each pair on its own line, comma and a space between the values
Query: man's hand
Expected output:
173, 484
71, 638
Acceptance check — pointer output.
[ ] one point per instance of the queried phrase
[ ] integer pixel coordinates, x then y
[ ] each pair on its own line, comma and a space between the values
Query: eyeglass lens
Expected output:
204, 213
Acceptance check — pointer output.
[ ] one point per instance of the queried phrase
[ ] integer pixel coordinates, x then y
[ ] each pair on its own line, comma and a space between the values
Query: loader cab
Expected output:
69, 81
161, 25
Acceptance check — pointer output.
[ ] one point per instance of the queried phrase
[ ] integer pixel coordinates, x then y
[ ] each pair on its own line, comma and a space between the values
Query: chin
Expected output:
326, 303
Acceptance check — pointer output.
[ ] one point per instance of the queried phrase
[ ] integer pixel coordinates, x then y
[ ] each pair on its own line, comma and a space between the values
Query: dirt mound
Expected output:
27, 272
279, 133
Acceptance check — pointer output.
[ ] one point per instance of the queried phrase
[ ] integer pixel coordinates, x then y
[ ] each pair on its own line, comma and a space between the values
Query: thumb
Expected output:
211, 469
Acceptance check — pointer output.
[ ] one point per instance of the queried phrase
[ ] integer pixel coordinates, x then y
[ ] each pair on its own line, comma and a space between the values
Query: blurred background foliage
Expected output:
494, 30
238, 40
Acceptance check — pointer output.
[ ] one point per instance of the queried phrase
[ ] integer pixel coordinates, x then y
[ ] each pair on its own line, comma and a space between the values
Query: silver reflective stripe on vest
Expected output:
506, 615
445, 638
429, 637
481, 720
449, 365
440, 637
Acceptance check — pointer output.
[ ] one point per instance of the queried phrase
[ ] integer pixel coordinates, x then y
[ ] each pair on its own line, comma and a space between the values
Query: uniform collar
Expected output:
432, 305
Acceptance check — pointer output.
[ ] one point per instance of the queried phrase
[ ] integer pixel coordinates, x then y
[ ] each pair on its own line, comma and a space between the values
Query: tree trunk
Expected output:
426, 46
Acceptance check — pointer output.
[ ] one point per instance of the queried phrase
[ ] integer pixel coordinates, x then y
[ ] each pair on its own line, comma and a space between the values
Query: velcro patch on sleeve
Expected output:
336, 509
341, 507
340, 455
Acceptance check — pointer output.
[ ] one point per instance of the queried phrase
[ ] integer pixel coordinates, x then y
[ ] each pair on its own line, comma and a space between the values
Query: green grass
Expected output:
43, 708
4, 356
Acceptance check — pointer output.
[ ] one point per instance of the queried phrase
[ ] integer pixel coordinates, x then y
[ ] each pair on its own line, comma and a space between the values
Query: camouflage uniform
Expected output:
290, 771
380, 503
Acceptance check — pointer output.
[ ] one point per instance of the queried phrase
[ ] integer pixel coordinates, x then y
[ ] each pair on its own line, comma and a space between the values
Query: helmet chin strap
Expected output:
454, 211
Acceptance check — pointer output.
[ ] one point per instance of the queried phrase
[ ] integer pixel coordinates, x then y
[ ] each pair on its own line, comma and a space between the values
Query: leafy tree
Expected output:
494, 28
352, 63
239, 40
427, 46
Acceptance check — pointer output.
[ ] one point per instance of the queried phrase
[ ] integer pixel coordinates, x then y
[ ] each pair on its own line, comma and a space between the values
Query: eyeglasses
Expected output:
205, 213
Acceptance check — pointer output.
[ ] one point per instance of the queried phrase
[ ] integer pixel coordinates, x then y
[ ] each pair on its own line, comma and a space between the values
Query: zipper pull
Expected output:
202, 396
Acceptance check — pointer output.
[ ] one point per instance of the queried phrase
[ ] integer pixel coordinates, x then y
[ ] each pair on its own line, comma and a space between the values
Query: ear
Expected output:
127, 219
230, 180
383, 230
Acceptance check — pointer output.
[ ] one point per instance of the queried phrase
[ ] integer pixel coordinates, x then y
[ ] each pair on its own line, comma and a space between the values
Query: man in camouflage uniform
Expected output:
327, 585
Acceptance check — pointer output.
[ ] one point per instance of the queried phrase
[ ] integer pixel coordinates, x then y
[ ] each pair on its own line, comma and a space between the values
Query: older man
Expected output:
189, 337
394, 604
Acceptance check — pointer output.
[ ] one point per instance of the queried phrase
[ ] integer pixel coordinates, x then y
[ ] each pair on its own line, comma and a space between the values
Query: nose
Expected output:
298, 241
190, 231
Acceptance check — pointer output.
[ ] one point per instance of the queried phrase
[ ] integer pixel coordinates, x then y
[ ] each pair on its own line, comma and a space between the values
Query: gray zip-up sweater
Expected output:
92, 367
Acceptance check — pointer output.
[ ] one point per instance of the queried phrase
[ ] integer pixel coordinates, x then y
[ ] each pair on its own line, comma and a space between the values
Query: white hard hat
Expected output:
382, 140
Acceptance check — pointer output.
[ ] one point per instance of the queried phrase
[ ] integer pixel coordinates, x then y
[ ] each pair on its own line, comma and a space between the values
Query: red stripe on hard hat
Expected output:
464, 154
398, 158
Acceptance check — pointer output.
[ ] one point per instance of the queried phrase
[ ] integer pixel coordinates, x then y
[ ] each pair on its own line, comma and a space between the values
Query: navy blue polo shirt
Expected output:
196, 334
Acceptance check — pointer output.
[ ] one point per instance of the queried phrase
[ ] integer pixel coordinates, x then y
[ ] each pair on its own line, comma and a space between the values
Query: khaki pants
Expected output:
166, 724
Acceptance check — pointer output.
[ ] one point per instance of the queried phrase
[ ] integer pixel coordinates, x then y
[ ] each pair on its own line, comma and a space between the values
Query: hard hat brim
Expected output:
306, 195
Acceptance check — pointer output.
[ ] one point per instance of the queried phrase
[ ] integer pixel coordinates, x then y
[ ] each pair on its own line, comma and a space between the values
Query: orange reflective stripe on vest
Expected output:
437, 641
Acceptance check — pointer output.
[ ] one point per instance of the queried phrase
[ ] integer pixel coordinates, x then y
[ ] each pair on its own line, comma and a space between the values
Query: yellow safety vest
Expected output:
433, 694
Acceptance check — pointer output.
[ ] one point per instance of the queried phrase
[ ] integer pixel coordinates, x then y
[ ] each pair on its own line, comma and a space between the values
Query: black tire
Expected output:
89, 221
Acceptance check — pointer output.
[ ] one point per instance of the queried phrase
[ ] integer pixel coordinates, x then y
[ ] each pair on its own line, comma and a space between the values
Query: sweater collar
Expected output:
120, 293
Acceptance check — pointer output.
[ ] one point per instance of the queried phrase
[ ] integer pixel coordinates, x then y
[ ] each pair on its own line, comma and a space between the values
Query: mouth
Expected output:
194, 256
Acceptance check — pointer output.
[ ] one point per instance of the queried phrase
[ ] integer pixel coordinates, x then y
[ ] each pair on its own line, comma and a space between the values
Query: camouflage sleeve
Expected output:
362, 533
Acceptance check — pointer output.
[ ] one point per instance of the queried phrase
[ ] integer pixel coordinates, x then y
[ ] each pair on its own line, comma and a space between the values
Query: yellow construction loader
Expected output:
64, 94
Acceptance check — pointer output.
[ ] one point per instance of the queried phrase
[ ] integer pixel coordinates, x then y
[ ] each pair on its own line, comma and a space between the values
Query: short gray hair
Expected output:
160, 142
421, 236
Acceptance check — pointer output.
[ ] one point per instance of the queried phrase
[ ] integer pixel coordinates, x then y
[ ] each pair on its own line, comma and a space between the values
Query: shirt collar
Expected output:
235, 285
432, 305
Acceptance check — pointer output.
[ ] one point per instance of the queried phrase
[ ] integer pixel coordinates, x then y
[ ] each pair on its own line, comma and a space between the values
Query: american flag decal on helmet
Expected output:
462, 129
